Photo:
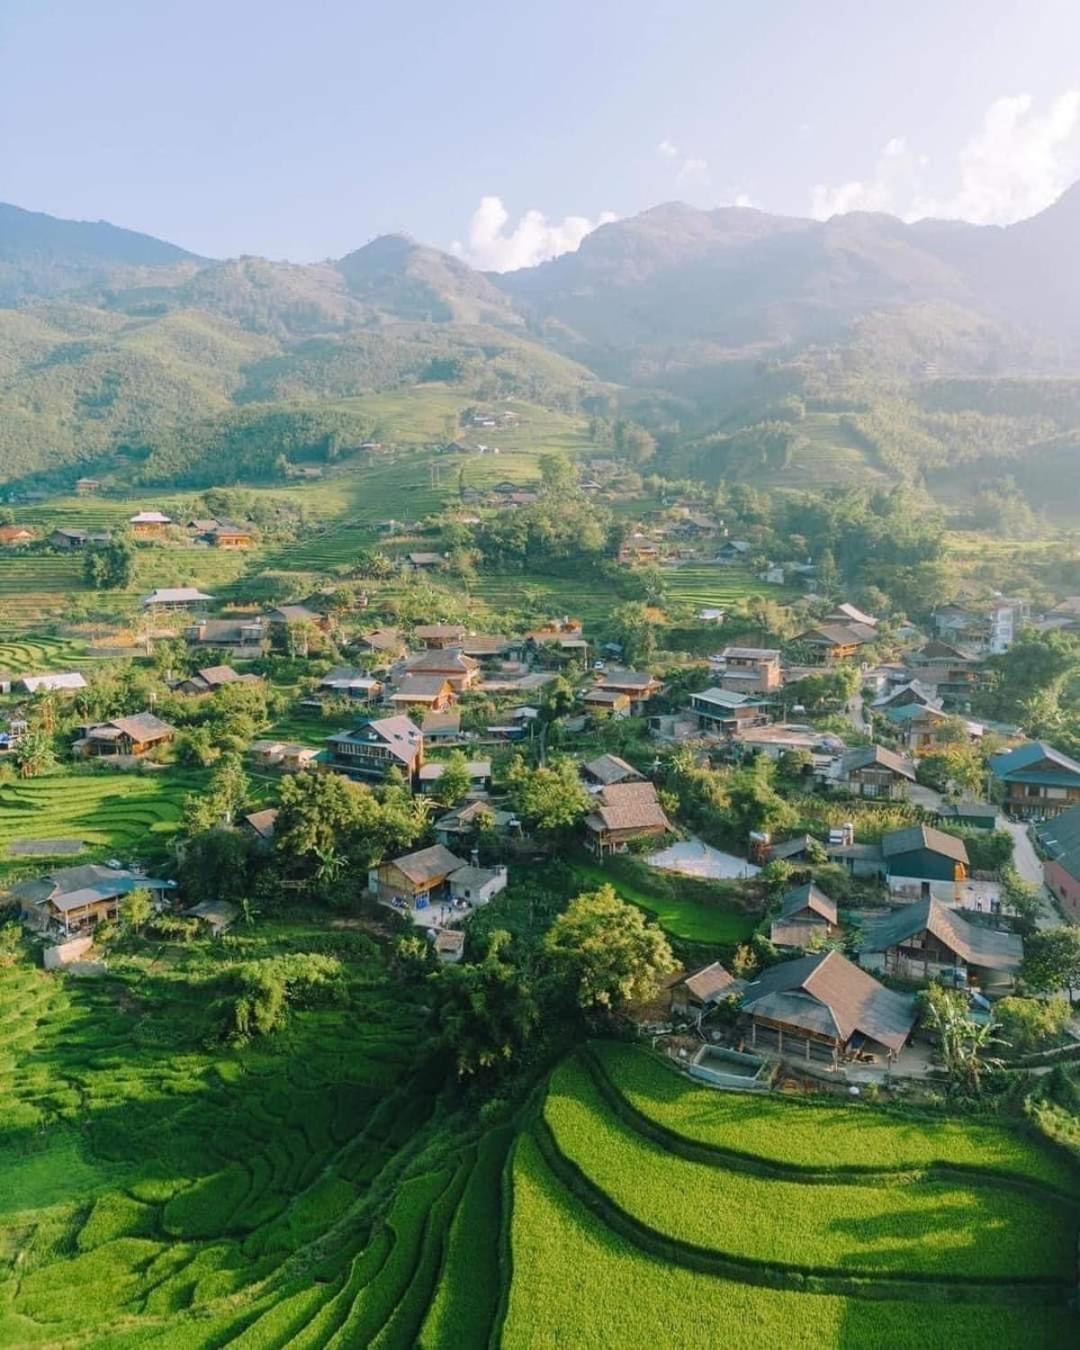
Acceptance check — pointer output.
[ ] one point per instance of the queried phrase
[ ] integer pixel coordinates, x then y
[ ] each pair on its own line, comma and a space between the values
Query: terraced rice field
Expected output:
21, 655
110, 811
200, 1195
625, 1224
715, 585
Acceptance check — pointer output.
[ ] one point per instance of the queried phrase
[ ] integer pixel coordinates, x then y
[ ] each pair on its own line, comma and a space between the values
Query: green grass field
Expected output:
680, 918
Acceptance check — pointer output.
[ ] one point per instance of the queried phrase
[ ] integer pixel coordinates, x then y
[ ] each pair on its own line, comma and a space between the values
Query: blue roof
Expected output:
1023, 765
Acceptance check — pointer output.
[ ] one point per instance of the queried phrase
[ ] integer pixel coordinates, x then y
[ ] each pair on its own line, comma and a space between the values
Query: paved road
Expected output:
1026, 861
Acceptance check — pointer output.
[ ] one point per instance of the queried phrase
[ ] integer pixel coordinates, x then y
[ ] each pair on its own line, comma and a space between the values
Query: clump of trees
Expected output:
109, 566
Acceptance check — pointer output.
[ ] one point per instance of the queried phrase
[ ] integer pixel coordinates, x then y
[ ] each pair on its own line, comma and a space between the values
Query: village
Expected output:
893, 839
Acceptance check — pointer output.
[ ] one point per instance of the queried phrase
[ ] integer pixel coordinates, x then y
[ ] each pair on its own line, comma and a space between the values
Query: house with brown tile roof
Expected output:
607, 769
807, 915
927, 940
422, 691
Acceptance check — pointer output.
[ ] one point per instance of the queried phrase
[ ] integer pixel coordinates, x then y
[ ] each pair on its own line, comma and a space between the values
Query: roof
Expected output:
382, 639
226, 631
401, 736
808, 897
838, 634
724, 698
446, 660
449, 940
428, 864
263, 822
69, 887
220, 913
55, 680
610, 769
150, 518
711, 983
174, 596
920, 691
627, 679
910, 712
750, 654
420, 686
441, 721
439, 630
739, 546
425, 559
598, 695
876, 756
465, 815
978, 946
485, 644
855, 615
347, 677
829, 995
434, 769
474, 878
141, 727
1060, 837
923, 836
627, 806
219, 675
969, 810
1022, 765
294, 614
792, 848
936, 650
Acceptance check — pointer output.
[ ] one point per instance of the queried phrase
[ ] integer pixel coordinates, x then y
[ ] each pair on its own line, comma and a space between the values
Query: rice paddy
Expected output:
110, 811
623, 1231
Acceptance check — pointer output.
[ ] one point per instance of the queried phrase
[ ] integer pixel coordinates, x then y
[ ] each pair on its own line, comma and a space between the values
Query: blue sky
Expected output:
304, 130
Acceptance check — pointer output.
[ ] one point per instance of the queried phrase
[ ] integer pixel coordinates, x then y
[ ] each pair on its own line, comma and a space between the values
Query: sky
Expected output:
506, 132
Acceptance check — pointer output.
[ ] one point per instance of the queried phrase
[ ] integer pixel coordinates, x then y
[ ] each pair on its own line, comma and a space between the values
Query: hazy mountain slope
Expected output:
43, 255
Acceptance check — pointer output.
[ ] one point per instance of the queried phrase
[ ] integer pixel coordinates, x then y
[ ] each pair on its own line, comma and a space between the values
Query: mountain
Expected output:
43, 255
781, 349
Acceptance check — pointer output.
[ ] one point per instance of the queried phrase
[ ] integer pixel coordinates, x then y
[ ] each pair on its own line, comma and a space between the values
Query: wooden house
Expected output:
149, 524
375, 747
807, 916
825, 1008
433, 692
624, 812
423, 875
872, 771
1038, 781
928, 941
133, 736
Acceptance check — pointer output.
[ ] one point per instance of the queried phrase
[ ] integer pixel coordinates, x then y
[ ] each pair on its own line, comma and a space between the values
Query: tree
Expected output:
34, 754
1031, 1024
964, 1042
110, 566
605, 954
1052, 960
486, 1011
557, 475
634, 631
549, 799
136, 910
222, 798
454, 784
218, 864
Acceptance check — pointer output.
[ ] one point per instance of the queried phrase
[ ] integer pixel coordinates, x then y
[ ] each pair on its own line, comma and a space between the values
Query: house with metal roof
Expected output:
696, 994
825, 1008
920, 860
727, 710
1039, 781
54, 682
873, 771
607, 769
1060, 840
77, 898
423, 691
372, 749
175, 597
928, 940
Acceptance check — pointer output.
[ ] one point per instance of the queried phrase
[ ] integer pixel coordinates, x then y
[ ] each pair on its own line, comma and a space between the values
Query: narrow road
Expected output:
1026, 861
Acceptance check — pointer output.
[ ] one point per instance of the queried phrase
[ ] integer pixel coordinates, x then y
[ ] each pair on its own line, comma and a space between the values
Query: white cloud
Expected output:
693, 172
492, 247
743, 199
668, 150
1015, 165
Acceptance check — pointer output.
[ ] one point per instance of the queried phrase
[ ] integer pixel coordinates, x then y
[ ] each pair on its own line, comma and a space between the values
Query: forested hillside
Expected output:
776, 351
